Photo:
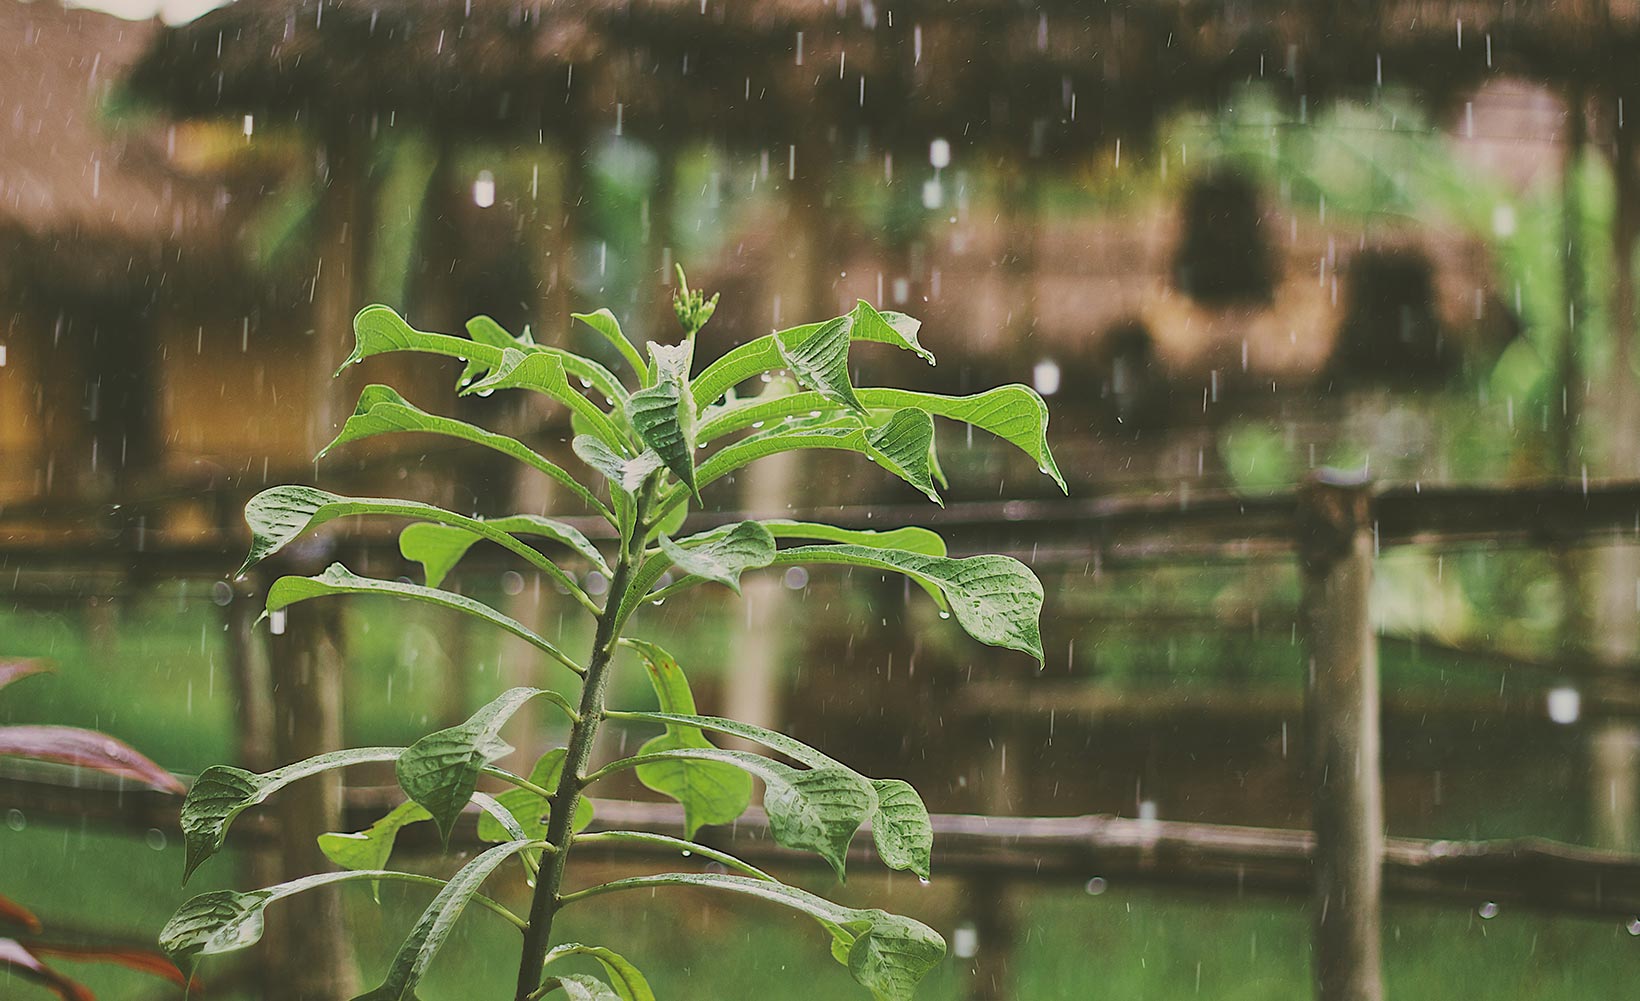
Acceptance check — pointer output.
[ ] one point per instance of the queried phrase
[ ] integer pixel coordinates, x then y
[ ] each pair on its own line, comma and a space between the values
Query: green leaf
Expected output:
373, 846
791, 747
910, 539
588, 372
902, 446
899, 446
723, 554
684, 848
604, 322
530, 810
383, 411
280, 514
628, 982
663, 414
438, 548
996, 599
624, 474
222, 792
433, 928
814, 809
768, 352
337, 579
711, 792
1015, 413
543, 372
900, 828
885, 953
820, 361
486, 330
223, 921
887, 327
378, 329
577, 987
440, 771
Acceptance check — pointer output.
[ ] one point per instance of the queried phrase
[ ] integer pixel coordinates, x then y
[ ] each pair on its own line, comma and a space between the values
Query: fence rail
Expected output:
1178, 525
1532, 873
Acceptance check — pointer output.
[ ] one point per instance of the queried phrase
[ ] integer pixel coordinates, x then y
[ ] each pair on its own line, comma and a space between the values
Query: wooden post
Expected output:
308, 940
1336, 546
248, 673
801, 281
315, 964
1615, 743
987, 899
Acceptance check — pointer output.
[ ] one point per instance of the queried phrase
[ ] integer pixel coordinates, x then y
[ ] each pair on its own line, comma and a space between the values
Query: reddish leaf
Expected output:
141, 960
86, 748
18, 960
11, 912
12, 670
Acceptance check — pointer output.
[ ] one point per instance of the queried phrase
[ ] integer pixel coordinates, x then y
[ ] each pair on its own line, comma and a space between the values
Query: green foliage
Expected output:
649, 443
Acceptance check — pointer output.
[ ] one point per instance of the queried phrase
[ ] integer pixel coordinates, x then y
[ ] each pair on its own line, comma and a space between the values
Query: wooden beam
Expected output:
1335, 540
1529, 873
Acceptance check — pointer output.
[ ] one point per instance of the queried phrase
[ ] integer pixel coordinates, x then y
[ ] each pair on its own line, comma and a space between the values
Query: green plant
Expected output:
647, 443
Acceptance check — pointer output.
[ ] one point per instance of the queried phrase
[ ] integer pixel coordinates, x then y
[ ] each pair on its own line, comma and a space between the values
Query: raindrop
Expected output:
155, 839
597, 583
944, 614
222, 593
512, 583
15, 821
1565, 704
939, 154
1487, 911
1095, 886
932, 194
484, 189
965, 941
276, 622
797, 578
1633, 926
1045, 377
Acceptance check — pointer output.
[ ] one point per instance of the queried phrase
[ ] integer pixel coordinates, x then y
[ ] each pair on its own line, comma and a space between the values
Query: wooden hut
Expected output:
100, 238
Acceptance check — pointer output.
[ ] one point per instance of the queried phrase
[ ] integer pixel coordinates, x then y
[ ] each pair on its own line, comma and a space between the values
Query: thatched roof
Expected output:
84, 202
464, 67
1050, 78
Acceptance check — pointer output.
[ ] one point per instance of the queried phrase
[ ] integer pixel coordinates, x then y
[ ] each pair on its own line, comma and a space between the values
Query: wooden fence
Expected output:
1335, 527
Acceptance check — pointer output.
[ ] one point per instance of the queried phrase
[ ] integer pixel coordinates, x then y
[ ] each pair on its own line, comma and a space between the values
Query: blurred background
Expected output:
1230, 242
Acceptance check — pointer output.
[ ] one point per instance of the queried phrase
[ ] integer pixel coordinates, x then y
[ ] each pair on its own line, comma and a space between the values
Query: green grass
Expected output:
153, 675
1127, 944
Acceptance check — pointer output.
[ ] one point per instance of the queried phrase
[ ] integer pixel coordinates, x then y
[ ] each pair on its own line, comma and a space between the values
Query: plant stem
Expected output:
561, 814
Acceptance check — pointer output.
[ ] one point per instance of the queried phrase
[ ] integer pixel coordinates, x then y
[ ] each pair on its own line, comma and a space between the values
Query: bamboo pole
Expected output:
1336, 553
